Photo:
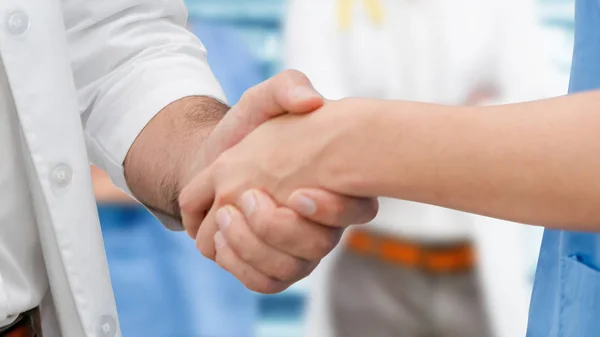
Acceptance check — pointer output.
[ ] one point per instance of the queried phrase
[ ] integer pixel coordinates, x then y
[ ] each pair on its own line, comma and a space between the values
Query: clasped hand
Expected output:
264, 206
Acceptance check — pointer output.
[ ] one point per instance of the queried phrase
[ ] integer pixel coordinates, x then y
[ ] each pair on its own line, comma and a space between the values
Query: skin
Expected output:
105, 191
193, 132
534, 163
183, 139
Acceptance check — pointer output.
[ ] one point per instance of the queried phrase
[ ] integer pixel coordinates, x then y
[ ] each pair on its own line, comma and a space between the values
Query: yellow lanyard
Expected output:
345, 12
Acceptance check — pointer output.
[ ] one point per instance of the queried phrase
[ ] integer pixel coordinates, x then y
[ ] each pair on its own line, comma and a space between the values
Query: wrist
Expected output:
199, 142
396, 150
348, 158
194, 159
161, 157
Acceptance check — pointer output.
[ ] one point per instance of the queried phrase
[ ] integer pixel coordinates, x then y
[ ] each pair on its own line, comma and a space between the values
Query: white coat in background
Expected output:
432, 51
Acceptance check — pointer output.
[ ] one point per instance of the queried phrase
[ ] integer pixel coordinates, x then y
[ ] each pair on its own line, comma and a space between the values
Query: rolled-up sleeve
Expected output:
130, 59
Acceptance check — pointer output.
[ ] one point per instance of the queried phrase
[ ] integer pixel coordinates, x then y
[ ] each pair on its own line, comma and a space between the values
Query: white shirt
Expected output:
86, 76
23, 280
434, 51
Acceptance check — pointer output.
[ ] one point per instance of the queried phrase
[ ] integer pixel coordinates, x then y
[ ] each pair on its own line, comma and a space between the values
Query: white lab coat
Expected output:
434, 51
85, 72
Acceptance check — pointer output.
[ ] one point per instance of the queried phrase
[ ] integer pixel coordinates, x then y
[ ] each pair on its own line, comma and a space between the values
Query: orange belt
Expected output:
428, 257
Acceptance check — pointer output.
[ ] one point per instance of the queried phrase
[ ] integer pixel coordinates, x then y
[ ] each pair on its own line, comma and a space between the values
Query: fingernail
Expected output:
248, 203
304, 93
303, 204
223, 218
219, 240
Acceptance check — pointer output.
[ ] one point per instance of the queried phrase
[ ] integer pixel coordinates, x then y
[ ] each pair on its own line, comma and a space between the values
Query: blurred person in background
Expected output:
412, 271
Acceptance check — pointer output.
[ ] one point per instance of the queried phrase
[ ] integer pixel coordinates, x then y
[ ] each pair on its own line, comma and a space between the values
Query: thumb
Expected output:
288, 92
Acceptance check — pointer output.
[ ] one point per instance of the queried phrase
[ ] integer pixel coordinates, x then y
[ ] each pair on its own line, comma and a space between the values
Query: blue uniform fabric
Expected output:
229, 57
566, 294
163, 286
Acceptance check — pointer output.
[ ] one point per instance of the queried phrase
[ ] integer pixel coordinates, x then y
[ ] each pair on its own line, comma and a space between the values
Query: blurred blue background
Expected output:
163, 287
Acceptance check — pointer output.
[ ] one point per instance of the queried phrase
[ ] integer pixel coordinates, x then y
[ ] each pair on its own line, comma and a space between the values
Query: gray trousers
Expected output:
372, 298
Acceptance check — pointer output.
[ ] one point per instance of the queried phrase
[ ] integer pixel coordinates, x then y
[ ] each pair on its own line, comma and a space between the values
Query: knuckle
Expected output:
222, 198
372, 210
262, 225
283, 228
249, 94
250, 252
206, 250
267, 287
239, 242
259, 286
295, 76
289, 271
221, 263
337, 211
323, 244
221, 165
190, 231
366, 211
235, 237
186, 204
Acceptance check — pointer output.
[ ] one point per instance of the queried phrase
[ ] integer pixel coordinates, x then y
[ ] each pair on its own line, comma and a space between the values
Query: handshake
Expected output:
268, 198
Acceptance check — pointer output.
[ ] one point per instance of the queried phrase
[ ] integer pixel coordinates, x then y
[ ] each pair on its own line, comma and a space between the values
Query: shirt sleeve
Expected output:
130, 59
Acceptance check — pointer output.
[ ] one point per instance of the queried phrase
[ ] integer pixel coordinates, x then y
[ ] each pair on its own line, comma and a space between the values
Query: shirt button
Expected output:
62, 175
17, 23
107, 326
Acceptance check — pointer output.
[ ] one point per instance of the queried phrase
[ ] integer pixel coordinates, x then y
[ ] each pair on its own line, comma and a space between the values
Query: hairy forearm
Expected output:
160, 160
536, 163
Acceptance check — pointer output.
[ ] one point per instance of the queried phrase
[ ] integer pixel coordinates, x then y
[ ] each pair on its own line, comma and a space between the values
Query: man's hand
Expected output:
187, 135
267, 246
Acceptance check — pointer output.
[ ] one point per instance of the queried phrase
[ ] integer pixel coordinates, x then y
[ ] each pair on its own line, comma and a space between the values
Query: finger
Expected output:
250, 277
288, 92
195, 200
333, 209
285, 230
205, 234
256, 253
